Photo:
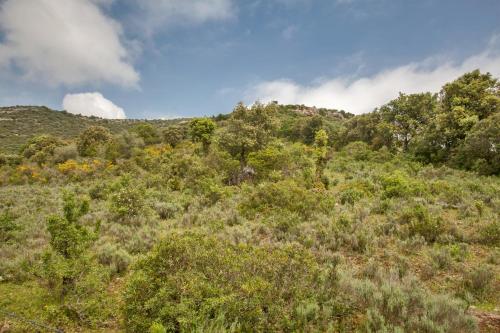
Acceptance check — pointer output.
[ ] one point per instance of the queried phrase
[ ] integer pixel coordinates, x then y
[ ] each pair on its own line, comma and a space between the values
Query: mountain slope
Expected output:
19, 123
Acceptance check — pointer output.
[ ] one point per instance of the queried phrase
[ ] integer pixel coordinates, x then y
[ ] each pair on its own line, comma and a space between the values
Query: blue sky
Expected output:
182, 58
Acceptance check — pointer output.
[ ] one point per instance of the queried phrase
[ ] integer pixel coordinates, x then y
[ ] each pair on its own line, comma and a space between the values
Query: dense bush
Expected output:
421, 222
284, 195
92, 140
190, 281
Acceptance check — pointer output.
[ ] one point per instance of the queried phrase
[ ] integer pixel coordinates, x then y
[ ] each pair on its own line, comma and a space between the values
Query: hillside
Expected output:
20, 123
273, 218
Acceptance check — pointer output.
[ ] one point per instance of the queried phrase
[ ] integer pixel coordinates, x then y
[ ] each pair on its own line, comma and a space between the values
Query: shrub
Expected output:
166, 210
441, 257
148, 133
92, 140
116, 258
398, 184
478, 281
127, 201
394, 304
421, 222
490, 233
188, 282
40, 148
64, 153
358, 150
173, 135
10, 159
8, 226
284, 195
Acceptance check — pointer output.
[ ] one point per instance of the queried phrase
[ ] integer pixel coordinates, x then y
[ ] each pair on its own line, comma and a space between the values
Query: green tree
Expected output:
202, 130
248, 130
407, 115
41, 148
464, 102
173, 135
321, 151
92, 139
68, 241
148, 133
481, 148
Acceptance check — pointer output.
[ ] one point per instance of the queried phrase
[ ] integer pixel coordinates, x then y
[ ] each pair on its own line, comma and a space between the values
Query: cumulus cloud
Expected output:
361, 95
159, 13
66, 42
92, 104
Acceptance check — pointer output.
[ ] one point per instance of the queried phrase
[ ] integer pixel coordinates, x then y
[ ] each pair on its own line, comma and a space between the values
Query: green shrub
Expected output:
41, 148
479, 280
10, 159
166, 210
394, 304
64, 153
285, 195
127, 201
8, 226
398, 184
441, 257
421, 222
358, 150
114, 257
490, 233
189, 281
92, 140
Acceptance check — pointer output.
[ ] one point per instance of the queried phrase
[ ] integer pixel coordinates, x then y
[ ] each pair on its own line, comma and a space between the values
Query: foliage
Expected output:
202, 130
189, 280
407, 116
480, 150
388, 235
173, 135
40, 148
247, 130
92, 139
148, 133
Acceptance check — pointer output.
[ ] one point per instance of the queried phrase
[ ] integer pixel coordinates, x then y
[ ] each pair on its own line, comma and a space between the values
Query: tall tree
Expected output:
202, 130
408, 115
248, 129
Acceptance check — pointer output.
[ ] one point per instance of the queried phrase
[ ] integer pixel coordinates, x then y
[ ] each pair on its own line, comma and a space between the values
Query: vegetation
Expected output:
274, 218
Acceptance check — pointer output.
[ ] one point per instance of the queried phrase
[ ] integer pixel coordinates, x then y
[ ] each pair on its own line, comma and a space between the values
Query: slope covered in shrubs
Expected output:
268, 219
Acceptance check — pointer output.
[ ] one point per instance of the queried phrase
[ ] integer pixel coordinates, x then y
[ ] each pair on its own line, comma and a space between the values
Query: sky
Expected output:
152, 59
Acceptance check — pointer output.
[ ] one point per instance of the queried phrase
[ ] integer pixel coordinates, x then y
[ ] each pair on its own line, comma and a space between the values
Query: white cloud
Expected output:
363, 94
159, 13
92, 104
66, 42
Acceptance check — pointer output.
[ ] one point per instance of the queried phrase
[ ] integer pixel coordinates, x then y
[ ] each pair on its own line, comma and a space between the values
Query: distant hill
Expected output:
19, 123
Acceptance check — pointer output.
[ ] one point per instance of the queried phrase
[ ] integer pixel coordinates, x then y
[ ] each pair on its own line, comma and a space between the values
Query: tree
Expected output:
407, 115
248, 130
41, 148
92, 139
68, 241
173, 135
202, 130
464, 102
148, 133
481, 148
321, 151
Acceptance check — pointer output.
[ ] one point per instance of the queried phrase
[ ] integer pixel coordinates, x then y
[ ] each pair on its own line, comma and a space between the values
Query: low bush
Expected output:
479, 280
189, 281
285, 195
127, 201
394, 304
420, 222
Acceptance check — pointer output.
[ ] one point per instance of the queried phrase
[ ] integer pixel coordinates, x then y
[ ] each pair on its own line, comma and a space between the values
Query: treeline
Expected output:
459, 126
